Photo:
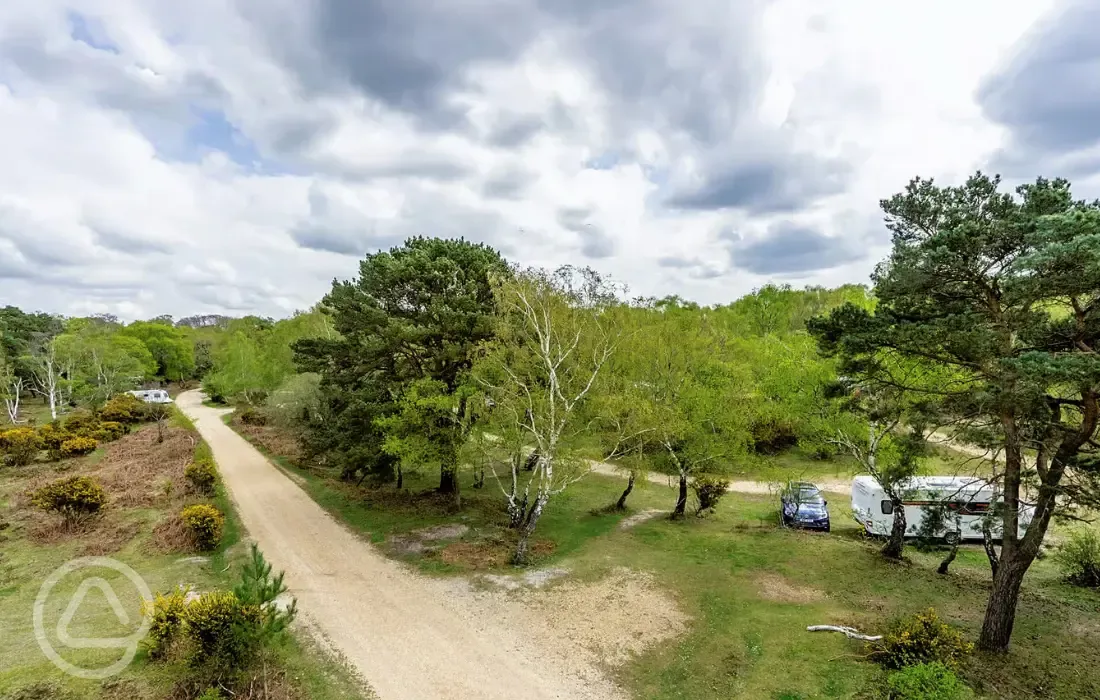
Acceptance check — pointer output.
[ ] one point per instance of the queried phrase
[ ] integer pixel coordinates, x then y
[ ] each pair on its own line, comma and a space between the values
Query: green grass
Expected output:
751, 588
26, 564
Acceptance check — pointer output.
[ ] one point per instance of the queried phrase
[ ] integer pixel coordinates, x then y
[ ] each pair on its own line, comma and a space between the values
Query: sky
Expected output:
235, 156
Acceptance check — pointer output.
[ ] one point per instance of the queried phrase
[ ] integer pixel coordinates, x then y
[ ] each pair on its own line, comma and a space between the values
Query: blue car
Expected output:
803, 506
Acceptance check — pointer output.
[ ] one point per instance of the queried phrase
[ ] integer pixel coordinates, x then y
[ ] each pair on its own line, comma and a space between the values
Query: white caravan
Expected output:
971, 496
152, 395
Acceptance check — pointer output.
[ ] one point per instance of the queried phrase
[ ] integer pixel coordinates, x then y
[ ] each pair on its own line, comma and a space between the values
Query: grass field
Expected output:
750, 587
135, 471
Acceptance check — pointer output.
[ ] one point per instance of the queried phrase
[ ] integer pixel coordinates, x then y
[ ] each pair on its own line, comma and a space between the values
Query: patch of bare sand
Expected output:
608, 621
775, 588
639, 518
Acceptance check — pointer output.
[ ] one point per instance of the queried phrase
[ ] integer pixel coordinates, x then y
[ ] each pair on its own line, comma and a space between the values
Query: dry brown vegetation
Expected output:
137, 472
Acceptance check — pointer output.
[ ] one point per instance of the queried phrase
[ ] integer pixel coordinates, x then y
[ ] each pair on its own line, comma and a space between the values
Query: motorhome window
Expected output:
887, 507
975, 509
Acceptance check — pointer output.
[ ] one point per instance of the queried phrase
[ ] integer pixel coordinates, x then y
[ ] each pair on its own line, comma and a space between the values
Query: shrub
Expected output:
167, 613
251, 416
212, 694
205, 524
80, 422
20, 445
773, 435
1079, 558
109, 431
123, 408
53, 436
78, 447
74, 497
709, 490
219, 627
928, 681
202, 475
919, 639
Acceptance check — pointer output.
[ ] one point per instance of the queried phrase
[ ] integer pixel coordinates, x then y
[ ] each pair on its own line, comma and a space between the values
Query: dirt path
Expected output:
755, 487
411, 637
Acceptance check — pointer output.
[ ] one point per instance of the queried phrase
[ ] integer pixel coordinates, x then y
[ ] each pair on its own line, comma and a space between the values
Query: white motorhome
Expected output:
152, 395
972, 497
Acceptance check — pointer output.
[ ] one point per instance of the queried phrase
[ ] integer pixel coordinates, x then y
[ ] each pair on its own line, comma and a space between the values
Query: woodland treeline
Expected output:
439, 354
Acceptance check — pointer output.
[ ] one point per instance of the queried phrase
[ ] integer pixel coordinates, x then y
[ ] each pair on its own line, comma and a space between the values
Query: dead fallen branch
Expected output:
849, 632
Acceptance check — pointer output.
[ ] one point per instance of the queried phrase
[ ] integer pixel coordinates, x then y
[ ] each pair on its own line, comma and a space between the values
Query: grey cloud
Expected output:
694, 267
1048, 94
595, 243
782, 184
574, 219
690, 68
674, 262
37, 240
515, 131
425, 165
410, 54
333, 226
509, 183
790, 248
122, 242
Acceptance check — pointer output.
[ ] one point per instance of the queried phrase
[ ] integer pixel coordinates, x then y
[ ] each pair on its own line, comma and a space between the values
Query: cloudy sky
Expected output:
234, 156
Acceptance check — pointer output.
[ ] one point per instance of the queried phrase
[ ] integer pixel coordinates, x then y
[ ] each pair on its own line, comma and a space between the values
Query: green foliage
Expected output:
297, 404
20, 446
109, 431
53, 436
228, 630
219, 628
167, 614
255, 356
251, 416
416, 312
74, 497
999, 296
259, 587
78, 447
926, 681
919, 639
708, 491
124, 408
212, 693
171, 348
205, 524
101, 360
202, 475
80, 422
1079, 558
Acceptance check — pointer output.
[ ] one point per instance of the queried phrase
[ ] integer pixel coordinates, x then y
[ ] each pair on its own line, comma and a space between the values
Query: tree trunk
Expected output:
621, 504
479, 480
681, 497
160, 430
990, 549
532, 461
894, 544
400, 477
448, 479
942, 570
520, 557
1000, 613
954, 552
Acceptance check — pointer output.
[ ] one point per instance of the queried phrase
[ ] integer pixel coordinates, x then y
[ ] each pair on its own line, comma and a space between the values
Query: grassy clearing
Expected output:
145, 483
750, 587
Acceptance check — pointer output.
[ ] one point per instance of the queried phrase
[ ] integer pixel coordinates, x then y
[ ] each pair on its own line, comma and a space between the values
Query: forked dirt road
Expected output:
410, 637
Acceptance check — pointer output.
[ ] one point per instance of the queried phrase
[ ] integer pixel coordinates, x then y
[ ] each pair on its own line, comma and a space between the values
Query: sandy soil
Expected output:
756, 487
411, 637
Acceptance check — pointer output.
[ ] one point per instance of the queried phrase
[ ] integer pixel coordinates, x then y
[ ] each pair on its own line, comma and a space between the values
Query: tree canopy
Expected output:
1001, 294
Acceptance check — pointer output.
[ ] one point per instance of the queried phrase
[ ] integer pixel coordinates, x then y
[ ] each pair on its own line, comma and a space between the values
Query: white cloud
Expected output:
235, 156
